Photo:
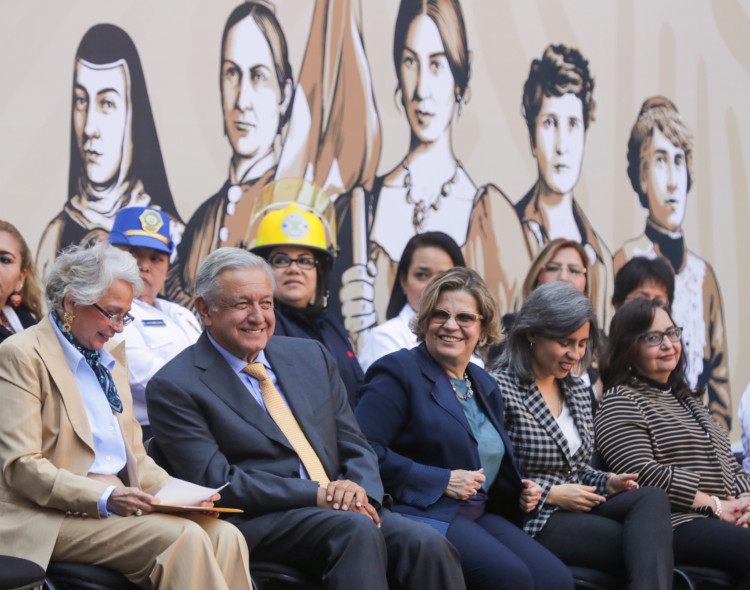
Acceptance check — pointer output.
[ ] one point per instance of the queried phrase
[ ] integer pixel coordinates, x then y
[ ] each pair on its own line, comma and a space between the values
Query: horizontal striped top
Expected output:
672, 443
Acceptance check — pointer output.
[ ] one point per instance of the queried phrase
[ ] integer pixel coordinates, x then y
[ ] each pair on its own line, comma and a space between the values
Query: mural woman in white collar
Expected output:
429, 190
256, 91
115, 159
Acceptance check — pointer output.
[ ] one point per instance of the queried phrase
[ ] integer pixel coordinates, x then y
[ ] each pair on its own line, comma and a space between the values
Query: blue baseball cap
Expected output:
142, 226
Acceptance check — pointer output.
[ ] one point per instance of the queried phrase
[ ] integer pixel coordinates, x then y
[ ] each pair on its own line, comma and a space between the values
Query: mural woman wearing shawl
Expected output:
256, 90
115, 158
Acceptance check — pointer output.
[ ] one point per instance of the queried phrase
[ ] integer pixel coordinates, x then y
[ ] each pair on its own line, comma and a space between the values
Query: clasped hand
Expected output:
736, 510
346, 495
463, 484
530, 495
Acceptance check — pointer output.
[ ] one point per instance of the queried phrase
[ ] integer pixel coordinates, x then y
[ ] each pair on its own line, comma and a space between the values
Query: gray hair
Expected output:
207, 278
87, 273
554, 310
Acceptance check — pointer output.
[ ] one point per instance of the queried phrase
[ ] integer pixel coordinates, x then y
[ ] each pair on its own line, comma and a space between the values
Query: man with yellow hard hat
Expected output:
293, 241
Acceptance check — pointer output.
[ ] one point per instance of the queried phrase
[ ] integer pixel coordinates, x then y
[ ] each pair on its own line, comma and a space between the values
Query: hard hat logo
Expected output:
294, 226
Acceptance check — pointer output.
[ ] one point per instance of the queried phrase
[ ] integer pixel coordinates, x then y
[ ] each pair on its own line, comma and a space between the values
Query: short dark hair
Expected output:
274, 34
562, 69
659, 113
630, 322
639, 271
428, 239
449, 20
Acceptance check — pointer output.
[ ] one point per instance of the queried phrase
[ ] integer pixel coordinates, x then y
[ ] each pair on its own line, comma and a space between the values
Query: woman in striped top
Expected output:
650, 422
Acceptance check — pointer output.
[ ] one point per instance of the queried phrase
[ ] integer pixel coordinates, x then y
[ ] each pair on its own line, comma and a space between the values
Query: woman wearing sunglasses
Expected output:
435, 421
650, 422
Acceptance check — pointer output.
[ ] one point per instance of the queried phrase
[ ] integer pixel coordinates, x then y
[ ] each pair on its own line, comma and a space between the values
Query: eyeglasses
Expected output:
655, 338
115, 319
555, 268
463, 318
283, 261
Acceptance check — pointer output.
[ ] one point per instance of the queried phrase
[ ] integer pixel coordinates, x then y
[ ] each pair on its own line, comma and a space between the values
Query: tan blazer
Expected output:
46, 445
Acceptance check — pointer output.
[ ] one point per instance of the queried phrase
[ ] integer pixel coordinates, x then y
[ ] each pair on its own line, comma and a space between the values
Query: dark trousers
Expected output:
710, 542
630, 534
347, 550
496, 555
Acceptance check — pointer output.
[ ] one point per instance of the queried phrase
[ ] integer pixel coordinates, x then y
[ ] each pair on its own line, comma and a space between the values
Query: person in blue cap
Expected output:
161, 328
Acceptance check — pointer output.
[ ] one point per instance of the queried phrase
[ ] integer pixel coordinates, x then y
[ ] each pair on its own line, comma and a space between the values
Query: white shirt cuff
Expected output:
103, 501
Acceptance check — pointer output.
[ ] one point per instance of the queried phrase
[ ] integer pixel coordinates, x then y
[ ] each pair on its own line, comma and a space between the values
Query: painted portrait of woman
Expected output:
115, 158
256, 86
558, 105
430, 190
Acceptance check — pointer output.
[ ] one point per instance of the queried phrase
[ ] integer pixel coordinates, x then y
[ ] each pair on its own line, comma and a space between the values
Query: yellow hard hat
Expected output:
291, 226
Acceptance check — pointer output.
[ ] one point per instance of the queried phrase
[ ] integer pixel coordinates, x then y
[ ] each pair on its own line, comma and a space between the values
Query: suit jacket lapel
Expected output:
538, 408
57, 364
295, 389
219, 377
442, 392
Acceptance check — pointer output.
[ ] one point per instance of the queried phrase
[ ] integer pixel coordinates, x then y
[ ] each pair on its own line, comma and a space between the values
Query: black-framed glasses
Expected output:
555, 268
464, 319
114, 318
284, 261
655, 338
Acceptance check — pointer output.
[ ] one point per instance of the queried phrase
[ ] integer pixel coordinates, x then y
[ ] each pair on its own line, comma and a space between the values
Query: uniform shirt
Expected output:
157, 335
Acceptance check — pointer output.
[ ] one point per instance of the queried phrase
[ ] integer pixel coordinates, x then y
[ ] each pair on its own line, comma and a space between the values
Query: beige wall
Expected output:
696, 53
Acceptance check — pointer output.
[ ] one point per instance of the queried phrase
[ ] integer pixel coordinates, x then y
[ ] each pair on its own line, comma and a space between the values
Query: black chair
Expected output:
275, 576
590, 579
82, 576
17, 573
705, 578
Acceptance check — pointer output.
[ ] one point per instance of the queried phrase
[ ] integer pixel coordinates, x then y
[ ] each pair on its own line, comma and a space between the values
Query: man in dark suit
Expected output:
312, 495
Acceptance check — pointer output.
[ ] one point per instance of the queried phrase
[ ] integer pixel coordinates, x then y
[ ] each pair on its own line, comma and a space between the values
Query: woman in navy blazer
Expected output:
436, 423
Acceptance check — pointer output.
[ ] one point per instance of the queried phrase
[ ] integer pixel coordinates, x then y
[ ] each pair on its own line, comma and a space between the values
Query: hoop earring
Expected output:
68, 318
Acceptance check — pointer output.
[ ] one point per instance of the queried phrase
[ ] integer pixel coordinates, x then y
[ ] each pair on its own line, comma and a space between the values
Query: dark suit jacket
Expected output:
415, 423
211, 430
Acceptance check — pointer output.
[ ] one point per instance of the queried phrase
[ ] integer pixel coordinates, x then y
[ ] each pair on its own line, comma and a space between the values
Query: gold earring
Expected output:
68, 318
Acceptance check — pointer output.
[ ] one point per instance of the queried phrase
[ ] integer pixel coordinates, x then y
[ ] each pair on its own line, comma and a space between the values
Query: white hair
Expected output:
207, 278
87, 273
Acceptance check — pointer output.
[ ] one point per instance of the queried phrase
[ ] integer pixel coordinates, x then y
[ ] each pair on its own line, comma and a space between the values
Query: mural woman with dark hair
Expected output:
256, 90
115, 158
429, 190
558, 105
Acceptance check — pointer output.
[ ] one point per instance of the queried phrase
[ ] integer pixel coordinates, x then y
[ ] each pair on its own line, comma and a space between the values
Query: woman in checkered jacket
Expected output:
581, 517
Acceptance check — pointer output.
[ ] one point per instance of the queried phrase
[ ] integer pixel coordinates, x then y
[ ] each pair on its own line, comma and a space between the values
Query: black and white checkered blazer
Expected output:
540, 446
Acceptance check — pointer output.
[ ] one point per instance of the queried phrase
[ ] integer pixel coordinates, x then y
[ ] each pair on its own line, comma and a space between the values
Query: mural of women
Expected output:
660, 167
256, 90
558, 105
115, 158
429, 190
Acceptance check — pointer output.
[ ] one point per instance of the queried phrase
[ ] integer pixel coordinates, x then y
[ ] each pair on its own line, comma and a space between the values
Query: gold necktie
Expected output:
286, 421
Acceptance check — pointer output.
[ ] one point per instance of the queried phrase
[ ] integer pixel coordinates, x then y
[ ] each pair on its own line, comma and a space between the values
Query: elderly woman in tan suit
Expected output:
76, 483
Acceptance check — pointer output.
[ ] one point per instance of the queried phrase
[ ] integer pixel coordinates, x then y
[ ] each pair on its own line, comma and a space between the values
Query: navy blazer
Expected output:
211, 430
413, 420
